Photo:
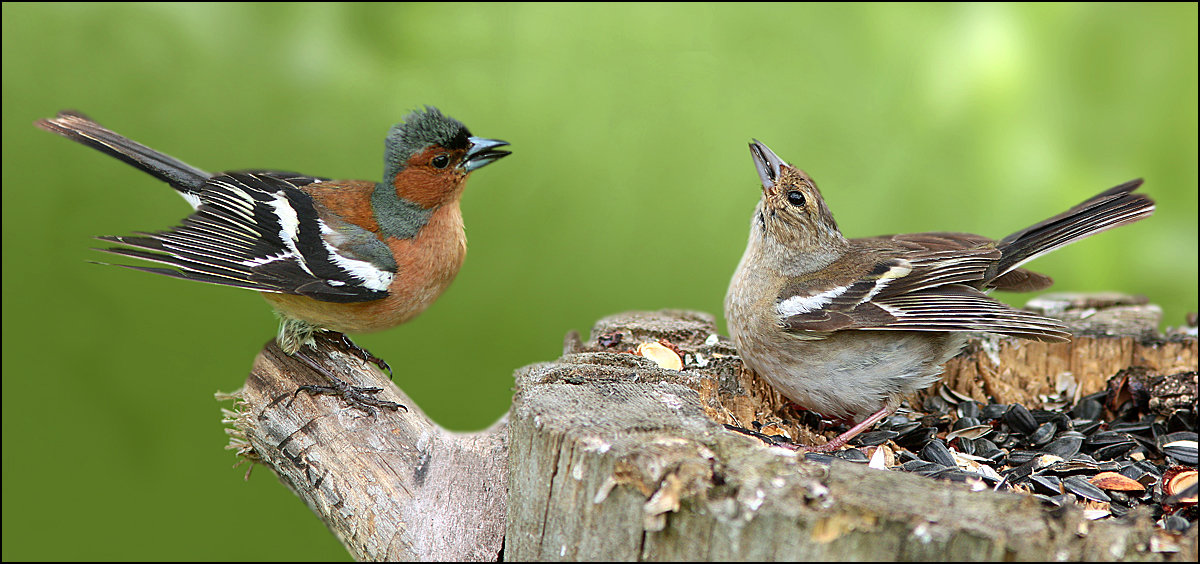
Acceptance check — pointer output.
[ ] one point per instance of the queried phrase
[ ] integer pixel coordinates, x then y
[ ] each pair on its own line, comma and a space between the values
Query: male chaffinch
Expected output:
847, 327
331, 256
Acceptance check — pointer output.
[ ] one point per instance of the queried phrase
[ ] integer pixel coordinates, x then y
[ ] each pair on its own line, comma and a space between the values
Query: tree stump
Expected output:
606, 455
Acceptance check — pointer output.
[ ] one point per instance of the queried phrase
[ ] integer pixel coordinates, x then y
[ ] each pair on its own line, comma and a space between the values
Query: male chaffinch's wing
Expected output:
258, 230
920, 290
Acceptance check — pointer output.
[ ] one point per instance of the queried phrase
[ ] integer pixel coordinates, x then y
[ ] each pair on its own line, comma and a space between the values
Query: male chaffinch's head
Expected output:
791, 216
428, 156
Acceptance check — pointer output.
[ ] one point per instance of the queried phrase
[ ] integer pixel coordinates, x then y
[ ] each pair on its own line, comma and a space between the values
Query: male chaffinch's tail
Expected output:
1114, 207
184, 178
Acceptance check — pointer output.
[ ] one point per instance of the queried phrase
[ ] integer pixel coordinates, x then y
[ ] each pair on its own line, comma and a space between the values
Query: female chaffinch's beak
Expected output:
767, 163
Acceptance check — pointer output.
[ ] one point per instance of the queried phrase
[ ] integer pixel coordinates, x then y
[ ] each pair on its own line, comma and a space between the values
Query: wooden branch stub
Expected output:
613, 457
393, 486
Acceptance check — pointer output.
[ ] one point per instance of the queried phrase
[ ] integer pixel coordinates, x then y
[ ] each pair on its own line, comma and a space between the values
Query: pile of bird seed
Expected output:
1107, 452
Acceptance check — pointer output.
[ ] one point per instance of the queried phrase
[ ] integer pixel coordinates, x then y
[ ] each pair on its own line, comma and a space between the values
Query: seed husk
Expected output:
1018, 457
1107, 438
661, 355
973, 432
1179, 484
1043, 433
1115, 481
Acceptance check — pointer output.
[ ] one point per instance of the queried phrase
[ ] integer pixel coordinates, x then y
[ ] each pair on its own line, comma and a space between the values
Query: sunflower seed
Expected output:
893, 422
935, 404
1118, 509
964, 422
1020, 419
819, 457
873, 438
916, 438
955, 475
1109, 452
1086, 426
1044, 415
1087, 408
1065, 446
1082, 488
1051, 501
968, 408
1177, 436
852, 455
1175, 523
963, 446
1049, 485
1183, 451
952, 396
936, 451
923, 468
1132, 426
992, 411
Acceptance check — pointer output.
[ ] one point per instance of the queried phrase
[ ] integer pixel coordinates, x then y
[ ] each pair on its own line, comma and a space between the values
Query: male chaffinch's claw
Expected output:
358, 397
343, 340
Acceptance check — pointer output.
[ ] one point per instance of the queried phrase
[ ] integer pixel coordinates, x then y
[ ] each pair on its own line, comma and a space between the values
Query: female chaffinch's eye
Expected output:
796, 198
441, 161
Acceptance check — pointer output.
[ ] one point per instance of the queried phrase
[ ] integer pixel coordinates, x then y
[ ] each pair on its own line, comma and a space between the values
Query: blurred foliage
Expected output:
630, 188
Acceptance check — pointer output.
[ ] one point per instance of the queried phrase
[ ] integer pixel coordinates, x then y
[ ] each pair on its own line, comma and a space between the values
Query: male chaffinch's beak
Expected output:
483, 152
767, 163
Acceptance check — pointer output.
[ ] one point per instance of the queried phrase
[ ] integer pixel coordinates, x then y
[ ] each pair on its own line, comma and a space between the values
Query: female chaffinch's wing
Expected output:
917, 291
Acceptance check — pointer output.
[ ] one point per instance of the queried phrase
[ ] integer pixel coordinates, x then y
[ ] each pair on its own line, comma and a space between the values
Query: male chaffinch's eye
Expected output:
441, 161
796, 198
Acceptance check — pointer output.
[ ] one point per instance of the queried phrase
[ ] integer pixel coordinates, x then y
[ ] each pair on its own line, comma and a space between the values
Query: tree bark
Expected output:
390, 486
605, 455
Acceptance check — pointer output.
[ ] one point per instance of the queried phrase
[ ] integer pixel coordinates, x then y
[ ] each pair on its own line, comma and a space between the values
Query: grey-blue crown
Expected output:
419, 130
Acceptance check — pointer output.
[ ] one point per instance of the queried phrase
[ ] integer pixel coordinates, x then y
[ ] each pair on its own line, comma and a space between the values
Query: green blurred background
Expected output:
630, 188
